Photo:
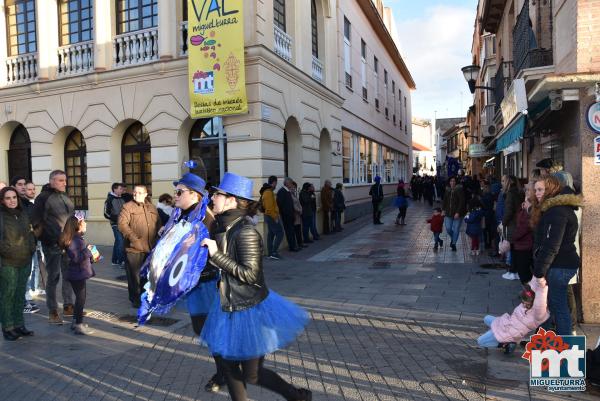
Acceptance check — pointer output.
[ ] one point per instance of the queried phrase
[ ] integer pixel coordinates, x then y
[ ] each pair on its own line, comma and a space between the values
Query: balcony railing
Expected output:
526, 50
317, 69
136, 48
502, 81
283, 44
77, 58
183, 35
21, 69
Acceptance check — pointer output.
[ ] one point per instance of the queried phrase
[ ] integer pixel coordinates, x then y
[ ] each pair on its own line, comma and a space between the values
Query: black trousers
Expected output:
290, 233
80, 293
298, 234
401, 213
376, 212
135, 284
522, 262
326, 221
238, 373
197, 324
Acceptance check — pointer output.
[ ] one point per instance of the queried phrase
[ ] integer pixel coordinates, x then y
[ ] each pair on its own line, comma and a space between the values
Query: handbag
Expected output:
504, 246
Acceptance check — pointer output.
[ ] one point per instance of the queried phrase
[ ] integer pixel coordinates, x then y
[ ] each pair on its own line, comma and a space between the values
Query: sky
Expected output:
435, 42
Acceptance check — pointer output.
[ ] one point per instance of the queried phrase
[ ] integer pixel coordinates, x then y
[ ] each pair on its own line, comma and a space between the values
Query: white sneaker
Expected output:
507, 276
477, 253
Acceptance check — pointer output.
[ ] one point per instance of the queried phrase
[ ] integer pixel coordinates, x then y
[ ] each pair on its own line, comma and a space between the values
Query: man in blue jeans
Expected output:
112, 208
454, 210
271, 211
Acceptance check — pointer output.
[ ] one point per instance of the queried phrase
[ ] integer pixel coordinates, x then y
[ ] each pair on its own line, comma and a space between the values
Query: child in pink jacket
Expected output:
508, 329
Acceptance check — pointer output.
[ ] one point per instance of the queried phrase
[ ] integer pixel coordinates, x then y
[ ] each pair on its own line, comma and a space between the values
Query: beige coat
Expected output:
139, 223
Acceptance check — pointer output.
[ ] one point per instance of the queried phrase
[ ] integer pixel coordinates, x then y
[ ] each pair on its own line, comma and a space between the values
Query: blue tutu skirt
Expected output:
251, 333
201, 298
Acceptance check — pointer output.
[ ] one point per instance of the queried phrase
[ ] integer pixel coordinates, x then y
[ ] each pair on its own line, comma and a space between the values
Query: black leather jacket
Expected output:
239, 257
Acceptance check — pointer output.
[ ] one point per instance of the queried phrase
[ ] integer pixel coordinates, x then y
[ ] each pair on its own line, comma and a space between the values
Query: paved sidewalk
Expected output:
391, 320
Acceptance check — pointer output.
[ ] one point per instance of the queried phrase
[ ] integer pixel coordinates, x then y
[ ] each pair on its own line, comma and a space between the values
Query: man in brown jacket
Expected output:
139, 223
326, 205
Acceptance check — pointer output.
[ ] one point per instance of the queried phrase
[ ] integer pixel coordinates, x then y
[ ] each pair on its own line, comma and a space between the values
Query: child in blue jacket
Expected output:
474, 222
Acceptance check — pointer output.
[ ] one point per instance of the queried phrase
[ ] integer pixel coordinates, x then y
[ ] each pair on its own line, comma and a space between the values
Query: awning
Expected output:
512, 133
418, 147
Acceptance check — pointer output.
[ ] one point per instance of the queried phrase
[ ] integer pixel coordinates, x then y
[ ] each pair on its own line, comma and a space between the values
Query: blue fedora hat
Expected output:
193, 182
236, 185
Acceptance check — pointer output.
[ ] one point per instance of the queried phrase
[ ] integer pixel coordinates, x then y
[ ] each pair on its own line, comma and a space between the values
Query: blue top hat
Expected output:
236, 185
193, 182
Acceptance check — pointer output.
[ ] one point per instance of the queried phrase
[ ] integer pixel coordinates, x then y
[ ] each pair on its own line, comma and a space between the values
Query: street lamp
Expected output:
471, 73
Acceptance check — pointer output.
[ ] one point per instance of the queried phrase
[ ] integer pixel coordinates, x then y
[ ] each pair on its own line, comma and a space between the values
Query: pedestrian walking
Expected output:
401, 203
139, 223
17, 245
308, 201
271, 211
112, 209
164, 207
339, 205
297, 216
189, 193
507, 330
376, 193
474, 221
51, 210
454, 210
246, 309
285, 203
555, 226
436, 222
326, 206
79, 261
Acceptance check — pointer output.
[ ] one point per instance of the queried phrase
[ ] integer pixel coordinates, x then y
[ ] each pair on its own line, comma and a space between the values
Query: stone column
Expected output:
167, 29
3, 43
590, 247
103, 35
47, 38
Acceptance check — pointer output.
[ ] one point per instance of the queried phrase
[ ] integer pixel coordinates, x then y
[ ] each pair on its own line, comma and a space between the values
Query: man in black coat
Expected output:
285, 203
376, 193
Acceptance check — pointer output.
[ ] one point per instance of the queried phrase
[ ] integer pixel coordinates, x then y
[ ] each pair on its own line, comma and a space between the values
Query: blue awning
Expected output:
512, 133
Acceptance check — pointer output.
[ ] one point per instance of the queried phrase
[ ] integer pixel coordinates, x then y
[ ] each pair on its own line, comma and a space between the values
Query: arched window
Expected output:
19, 154
135, 15
314, 29
136, 159
208, 147
76, 169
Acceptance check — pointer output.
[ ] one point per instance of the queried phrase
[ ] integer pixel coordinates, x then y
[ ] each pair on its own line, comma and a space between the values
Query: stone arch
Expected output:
57, 148
292, 150
325, 156
6, 131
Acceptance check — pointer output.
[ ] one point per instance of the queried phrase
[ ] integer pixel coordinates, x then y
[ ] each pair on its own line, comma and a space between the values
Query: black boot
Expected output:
23, 331
10, 335
214, 384
303, 395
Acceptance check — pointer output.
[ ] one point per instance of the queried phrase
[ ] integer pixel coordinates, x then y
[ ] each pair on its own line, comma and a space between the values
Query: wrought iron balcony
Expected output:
526, 50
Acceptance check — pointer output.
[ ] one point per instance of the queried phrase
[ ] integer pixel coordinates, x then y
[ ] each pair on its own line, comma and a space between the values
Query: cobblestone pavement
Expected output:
391, 320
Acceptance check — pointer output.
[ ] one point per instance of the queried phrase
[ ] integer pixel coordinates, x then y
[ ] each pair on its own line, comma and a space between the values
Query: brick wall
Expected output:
588, 31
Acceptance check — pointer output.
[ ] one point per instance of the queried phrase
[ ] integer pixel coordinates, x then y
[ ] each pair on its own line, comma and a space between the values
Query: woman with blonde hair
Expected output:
555, 226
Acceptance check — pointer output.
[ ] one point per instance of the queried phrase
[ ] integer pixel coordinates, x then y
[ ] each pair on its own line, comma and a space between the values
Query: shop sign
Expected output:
593, 116
597, 151
512, 148
216, 69
514, 102
478, 150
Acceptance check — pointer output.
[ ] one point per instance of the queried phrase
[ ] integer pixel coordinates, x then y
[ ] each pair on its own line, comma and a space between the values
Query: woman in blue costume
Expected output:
189, 191
247, 321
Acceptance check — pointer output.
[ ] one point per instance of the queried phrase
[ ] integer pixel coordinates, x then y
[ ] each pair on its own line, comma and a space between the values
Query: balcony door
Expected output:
76, 21
21, 27
136, 15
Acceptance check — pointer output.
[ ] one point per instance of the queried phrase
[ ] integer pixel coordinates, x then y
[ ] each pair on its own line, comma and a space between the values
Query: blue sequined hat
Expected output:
236, 185
193, 182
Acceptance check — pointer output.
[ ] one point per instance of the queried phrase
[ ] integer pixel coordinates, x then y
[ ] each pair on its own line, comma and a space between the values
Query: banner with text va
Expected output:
217, 82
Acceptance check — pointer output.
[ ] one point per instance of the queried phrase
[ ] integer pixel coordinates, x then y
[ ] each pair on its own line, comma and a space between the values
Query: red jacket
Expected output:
437, 223
522, 237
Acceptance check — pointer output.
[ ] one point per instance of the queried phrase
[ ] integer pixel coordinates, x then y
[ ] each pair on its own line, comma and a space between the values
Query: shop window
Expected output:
135, 15
136, 157
346, 155
21, 27
76, 169
19, 154
208, 147
76, 21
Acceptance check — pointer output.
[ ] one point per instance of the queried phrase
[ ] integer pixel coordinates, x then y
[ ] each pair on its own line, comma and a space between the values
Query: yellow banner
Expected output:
217, 82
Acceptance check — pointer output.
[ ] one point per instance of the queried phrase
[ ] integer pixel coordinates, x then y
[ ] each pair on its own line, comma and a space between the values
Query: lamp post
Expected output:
471, 73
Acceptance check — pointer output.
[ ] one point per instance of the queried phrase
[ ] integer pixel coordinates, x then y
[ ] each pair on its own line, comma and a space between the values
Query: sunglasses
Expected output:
179, 192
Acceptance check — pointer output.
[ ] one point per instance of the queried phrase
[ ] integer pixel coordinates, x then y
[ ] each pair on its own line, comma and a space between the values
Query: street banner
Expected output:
216, 76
